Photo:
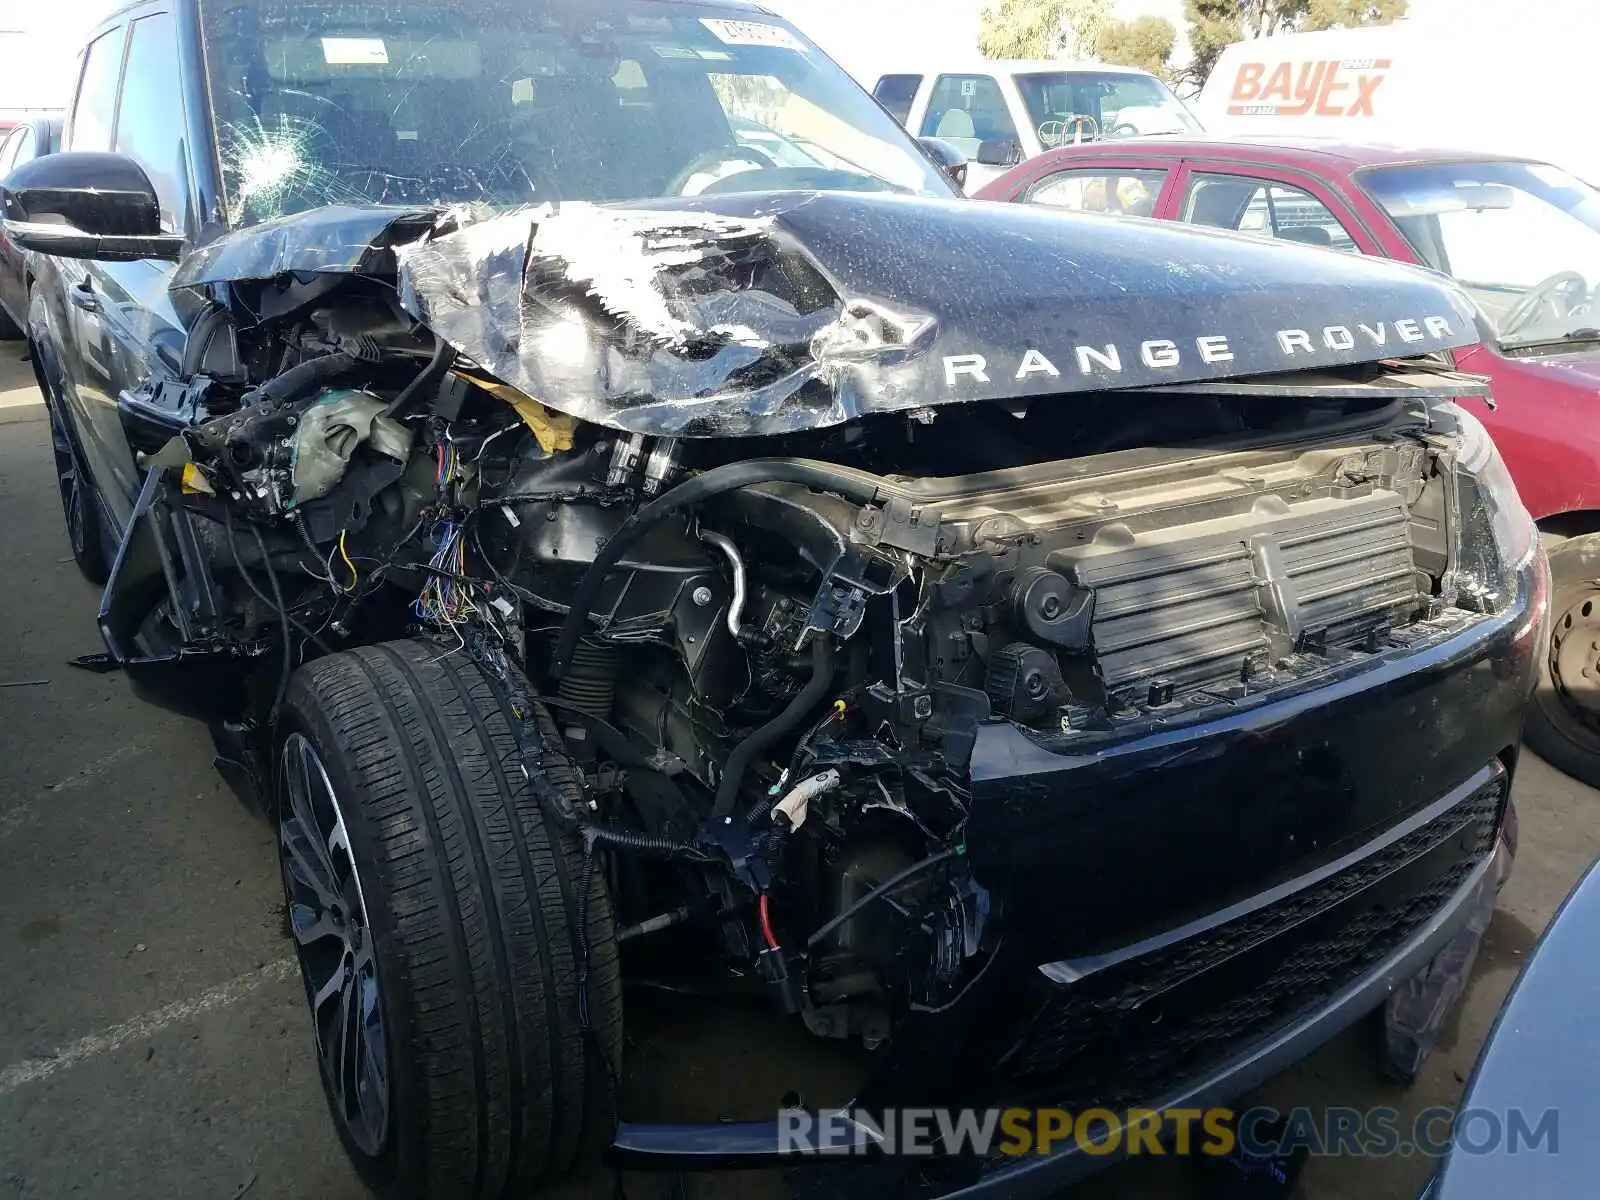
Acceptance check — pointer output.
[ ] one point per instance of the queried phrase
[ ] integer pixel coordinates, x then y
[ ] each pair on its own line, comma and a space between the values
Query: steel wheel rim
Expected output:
69, 480
333, 941
1575, 656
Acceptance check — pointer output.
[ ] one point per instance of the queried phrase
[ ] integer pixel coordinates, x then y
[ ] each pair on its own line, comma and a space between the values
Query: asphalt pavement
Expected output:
153, 1040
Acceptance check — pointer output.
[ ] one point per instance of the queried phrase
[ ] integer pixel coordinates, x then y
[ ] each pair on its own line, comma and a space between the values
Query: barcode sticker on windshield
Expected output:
352, 52
753, 33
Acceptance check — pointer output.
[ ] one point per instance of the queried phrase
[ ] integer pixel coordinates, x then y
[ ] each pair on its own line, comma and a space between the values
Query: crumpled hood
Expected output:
774, 313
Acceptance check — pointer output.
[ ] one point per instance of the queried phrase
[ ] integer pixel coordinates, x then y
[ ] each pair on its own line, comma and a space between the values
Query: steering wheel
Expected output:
759, 159
1571, 286
1053, 133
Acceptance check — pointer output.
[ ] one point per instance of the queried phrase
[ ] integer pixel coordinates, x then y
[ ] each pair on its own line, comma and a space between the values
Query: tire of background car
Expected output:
1564, 719
86, 528
465, 943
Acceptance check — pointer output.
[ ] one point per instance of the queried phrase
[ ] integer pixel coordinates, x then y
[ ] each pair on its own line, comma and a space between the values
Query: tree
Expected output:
1214, 24
1082, 23
1338, 14
1042, 28
1144, 42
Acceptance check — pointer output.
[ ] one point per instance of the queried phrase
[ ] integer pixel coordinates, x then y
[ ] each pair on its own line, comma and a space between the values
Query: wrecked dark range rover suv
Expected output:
1078, 662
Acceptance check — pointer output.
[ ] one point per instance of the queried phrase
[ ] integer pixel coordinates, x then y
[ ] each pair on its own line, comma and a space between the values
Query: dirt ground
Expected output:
153, 1041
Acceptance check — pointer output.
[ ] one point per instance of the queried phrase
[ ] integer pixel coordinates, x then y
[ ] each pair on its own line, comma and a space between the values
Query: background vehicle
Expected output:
1521, 236
1534, 1072
1002, 111
759, 587
27, 141
1473, 82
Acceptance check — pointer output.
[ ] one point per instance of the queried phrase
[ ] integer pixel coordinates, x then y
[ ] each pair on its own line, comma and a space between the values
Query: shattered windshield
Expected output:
509, 102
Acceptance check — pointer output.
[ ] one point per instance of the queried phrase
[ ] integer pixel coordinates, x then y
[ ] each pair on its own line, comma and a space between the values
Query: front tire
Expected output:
434, 913
1564, 719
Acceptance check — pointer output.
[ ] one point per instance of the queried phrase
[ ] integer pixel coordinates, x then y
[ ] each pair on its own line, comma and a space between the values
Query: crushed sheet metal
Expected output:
336, 238
771, 313
776, 313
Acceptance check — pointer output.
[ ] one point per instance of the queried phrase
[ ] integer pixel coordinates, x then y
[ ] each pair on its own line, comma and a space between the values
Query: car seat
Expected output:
1219, 205
956, 123
1310, 235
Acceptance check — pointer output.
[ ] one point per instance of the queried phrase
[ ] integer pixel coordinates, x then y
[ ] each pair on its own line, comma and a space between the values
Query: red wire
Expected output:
766, 922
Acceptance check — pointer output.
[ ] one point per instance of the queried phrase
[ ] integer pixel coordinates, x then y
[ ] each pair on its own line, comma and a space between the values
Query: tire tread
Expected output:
480, 896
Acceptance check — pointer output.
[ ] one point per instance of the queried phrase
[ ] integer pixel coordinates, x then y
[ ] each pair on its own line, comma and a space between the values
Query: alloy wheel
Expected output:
333, 940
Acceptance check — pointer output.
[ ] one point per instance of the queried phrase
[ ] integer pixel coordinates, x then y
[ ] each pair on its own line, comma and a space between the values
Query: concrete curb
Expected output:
20, 405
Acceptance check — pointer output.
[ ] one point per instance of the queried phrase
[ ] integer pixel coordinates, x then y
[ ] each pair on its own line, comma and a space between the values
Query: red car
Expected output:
1522, 237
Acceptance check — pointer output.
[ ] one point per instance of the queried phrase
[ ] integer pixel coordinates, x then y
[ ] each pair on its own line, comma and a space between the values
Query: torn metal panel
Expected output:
764, 314
338, 238
775, 313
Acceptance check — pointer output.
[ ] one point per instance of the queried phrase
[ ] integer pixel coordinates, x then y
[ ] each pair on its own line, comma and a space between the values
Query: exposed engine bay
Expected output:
770, 654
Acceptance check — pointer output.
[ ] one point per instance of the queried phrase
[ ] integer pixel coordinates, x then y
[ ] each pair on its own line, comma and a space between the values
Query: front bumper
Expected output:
1182, 916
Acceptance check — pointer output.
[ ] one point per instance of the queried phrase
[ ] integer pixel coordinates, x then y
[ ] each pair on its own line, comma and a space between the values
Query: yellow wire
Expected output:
355, 575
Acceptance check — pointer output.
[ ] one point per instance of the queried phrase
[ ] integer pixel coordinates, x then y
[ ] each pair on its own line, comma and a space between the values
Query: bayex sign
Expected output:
1328, 87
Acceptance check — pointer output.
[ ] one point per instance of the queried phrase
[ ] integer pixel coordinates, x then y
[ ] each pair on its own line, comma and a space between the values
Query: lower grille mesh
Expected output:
1102, 1041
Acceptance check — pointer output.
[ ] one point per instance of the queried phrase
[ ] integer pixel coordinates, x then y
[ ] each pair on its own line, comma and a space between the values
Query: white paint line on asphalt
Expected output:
15, 817
100, 766
35, 1070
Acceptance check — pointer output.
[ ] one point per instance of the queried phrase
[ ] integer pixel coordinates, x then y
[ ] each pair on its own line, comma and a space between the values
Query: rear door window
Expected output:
966, 110
896, 92
150, 125
1096, 189
10, 150
29, 146
1264, 207
94, 110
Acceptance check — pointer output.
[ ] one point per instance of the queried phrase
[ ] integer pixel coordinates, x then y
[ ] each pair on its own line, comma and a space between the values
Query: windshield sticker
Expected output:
753, 33
674, 52
354, 52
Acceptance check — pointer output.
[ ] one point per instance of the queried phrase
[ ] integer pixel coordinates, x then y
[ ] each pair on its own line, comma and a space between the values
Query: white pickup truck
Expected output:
1000, 112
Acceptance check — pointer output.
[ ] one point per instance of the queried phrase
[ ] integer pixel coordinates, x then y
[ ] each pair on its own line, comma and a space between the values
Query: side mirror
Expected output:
1003, 153
950, 159
86, 205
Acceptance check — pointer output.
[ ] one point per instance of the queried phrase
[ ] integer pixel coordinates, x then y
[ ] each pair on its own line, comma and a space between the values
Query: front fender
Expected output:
1546, 425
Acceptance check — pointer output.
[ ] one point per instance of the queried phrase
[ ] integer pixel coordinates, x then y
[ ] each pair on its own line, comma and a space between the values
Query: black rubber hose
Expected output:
806, 699
300, 380
444, 356
650, 845
853, 485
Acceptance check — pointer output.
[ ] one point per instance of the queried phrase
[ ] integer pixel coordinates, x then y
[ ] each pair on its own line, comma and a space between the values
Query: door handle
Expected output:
82, 296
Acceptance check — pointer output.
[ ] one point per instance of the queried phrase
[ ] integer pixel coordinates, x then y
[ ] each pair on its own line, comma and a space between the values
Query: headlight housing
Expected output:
1496, 537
